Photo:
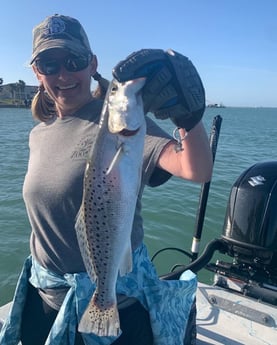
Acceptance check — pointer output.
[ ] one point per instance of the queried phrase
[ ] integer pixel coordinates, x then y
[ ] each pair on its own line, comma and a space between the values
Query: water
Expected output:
248, 135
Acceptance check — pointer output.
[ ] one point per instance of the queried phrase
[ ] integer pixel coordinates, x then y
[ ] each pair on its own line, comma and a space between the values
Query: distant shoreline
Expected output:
13, 106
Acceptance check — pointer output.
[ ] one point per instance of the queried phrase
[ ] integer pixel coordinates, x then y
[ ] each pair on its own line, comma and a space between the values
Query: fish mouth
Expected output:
128, 132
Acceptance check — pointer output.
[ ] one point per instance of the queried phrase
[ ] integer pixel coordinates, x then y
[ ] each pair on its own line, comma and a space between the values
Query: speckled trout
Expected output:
111, 185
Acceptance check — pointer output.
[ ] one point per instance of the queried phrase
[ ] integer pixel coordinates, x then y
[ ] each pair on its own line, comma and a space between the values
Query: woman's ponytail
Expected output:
103, 84
43, 108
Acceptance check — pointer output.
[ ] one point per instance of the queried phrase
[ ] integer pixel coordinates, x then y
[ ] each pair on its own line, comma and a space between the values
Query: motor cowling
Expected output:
250, 227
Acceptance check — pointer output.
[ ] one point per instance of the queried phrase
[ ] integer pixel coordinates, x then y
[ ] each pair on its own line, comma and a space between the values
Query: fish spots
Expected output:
103, 226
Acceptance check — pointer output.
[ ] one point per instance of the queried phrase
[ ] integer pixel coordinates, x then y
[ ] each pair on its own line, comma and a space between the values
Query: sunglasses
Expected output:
72, 63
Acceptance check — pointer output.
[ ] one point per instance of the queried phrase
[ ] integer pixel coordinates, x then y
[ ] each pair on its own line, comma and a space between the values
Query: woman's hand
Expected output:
173, 88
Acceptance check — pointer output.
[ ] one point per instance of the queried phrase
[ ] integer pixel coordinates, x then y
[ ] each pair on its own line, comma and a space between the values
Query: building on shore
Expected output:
14, 94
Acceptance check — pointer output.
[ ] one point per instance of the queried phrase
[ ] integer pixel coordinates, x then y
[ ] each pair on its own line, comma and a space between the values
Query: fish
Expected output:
110, 189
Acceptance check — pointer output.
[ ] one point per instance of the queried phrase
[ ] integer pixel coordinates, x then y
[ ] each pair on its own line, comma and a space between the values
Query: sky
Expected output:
232, 43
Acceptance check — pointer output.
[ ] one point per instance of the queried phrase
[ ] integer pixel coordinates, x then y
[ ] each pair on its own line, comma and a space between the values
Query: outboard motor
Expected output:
251, 219
250, 234
249, 237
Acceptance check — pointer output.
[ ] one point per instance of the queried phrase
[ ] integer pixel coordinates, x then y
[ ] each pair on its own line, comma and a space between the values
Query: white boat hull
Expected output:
233, 319
227, 318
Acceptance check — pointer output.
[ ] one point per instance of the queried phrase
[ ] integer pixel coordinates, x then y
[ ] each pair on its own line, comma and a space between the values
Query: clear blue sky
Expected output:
233, 43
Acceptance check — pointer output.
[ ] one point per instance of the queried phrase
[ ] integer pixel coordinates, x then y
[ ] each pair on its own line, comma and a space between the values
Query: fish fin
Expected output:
115, 159
127, 261
79, 221
102, 322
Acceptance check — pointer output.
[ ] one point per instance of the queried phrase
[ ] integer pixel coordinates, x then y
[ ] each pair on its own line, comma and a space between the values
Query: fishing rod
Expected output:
214, 137
197, 263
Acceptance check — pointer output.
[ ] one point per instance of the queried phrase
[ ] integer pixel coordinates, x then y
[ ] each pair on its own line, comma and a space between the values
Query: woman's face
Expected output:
69, 90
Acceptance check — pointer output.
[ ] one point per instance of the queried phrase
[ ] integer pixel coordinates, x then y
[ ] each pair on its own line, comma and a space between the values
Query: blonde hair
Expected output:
42, 107
102, 87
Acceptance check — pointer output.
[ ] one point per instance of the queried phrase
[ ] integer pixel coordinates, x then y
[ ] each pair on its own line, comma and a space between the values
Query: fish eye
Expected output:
114, 88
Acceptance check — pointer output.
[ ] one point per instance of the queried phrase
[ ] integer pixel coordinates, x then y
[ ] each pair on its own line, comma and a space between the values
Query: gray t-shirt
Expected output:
53, 184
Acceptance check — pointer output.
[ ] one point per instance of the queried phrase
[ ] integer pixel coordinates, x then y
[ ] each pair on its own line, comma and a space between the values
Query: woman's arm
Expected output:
194, 162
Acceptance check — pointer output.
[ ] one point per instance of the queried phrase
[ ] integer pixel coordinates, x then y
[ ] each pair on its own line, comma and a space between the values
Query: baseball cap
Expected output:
59, 31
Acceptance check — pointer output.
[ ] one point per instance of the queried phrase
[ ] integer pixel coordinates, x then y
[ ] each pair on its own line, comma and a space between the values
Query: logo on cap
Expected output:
55, 26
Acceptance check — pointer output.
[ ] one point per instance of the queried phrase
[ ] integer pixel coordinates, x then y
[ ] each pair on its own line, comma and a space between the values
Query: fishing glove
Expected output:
173, 87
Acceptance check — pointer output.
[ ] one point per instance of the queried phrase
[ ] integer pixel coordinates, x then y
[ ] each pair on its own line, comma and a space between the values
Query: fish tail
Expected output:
102, 322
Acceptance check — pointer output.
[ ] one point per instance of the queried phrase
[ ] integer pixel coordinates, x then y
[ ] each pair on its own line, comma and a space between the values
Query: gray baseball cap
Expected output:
60, 31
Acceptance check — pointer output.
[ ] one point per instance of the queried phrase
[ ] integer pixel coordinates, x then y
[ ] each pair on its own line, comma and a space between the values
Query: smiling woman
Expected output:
56, 285
65, 78
63, 62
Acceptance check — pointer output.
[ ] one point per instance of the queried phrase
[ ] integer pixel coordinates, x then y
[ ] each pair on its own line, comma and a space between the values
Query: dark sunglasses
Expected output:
71, 63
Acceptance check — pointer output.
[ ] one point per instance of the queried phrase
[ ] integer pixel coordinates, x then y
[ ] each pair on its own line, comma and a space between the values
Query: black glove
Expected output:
173, 88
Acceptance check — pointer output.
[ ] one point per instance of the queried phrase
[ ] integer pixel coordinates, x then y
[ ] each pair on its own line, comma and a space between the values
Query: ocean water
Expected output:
248, 136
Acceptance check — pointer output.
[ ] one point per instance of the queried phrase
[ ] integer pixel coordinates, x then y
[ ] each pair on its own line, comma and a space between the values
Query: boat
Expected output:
216, 105
240, 306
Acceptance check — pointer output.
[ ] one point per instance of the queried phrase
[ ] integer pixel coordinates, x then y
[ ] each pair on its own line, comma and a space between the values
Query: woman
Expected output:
64, 64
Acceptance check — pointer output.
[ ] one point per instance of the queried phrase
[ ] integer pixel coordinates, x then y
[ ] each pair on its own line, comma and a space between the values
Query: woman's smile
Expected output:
67, 87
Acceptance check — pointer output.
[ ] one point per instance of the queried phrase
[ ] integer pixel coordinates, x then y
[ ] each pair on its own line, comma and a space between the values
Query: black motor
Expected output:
249, 237
250, 228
